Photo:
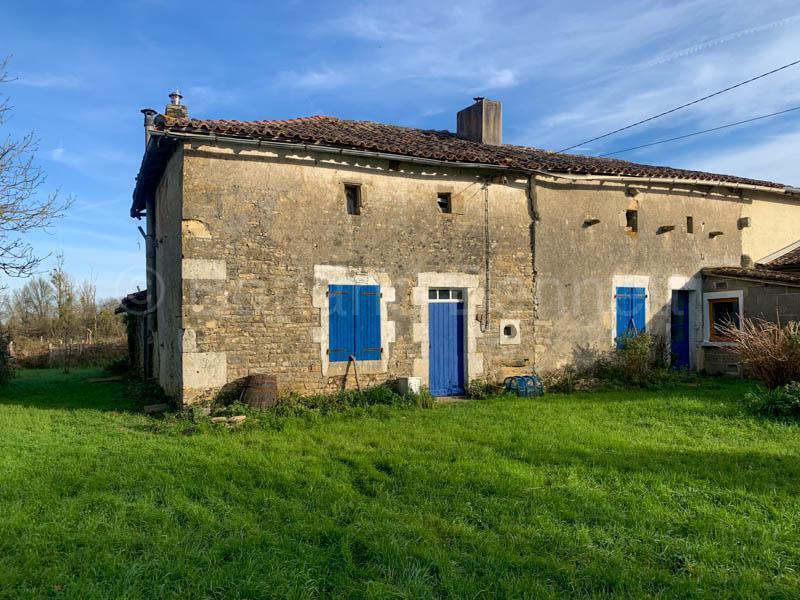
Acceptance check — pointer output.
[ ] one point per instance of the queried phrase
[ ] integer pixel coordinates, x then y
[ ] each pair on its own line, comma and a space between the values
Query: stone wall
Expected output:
583, 252
167, 364
265, 232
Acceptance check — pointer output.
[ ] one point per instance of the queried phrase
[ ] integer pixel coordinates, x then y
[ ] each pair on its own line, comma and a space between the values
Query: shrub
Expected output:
783, 401
146, 392
6, 366
119, 366
342, 401
768, 351
639, 361
424, 399
478, 389
561, 381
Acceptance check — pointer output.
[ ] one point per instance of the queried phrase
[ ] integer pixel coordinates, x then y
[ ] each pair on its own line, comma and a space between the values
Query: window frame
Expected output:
437, 294
357, 318
709, 300
358, 199
447, 197
634, 228
713, 334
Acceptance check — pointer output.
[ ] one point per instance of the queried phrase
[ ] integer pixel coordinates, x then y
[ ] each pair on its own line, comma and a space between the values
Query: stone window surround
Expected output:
639, 281
325, 275
727, 294
473, 293
516, 338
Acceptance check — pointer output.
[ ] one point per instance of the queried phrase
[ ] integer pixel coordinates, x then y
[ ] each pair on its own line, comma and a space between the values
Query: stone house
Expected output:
310, 248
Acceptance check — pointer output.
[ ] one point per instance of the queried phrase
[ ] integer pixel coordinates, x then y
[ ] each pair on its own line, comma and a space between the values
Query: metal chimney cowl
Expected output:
175, 109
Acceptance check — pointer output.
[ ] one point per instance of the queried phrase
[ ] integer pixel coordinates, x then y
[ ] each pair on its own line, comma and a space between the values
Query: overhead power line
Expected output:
688, 135
677, 108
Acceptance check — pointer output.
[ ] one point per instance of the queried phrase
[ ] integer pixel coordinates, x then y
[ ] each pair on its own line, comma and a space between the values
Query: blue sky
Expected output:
565, 72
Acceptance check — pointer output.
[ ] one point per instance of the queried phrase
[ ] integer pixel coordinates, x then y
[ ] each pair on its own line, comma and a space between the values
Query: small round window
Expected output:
509, 331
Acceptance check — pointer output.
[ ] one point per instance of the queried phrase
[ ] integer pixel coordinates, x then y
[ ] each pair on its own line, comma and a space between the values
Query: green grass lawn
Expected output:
670, 494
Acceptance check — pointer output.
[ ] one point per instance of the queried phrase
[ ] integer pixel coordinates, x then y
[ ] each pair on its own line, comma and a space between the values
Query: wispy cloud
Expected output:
316, 78
608, 102
723, 39
774, 158
57, 154
48, 80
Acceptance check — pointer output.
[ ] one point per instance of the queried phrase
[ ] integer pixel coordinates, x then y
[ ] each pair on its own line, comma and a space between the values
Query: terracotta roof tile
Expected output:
791, 260
758, 274
429, 144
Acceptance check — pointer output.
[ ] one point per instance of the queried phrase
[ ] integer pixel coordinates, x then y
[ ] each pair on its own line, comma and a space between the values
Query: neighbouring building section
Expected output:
315, 250
134, 307
730, 294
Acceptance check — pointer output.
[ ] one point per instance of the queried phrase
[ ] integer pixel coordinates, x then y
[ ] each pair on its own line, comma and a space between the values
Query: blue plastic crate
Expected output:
527, 386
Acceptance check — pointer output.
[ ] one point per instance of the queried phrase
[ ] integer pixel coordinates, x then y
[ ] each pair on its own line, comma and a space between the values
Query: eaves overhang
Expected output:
154, 162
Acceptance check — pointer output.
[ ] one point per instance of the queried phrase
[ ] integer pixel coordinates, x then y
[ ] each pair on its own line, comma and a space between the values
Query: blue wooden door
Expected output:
679, 329
631, 312
446, 356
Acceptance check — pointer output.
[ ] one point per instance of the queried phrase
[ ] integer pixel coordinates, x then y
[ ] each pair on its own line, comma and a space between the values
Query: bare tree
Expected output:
22, 207
87, 305
64, 292
32, 307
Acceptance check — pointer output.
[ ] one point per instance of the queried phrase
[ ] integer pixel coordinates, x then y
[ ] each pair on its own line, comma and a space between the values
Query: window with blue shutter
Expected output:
631, 317
341, 309
354, 322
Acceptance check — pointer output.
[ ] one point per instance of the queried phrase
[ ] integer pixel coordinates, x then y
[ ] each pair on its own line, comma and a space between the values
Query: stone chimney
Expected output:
482, 122
175, 109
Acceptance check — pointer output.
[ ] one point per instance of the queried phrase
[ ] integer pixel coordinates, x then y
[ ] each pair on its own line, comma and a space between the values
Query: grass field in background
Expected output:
675, 493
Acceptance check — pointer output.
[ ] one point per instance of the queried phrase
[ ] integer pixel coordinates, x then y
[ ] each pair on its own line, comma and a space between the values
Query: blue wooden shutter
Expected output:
631, 317
638, 309
341, 315
368, 322
623, 313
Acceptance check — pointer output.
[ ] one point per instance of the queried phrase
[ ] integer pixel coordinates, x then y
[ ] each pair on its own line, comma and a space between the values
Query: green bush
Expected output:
6, 366
424, 399
640, 361
562, 380
146, 392
478, 389
783, 401
119, 366
342, 401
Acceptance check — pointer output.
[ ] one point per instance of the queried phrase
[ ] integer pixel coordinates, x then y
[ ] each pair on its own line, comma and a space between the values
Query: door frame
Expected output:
687, 321
463, 315
693, 285
472, 296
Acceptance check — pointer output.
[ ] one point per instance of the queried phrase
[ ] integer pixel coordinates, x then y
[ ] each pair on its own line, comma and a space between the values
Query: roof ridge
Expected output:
435, 144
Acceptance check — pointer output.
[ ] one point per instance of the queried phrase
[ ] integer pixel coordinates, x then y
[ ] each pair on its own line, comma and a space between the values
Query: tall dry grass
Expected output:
768, 351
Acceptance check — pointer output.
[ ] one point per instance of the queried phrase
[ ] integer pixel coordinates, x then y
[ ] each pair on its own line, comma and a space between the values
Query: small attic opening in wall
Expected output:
632, 220
445, 202
352, 194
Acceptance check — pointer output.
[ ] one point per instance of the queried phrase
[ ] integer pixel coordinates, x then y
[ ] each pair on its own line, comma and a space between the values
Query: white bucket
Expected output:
407, 385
